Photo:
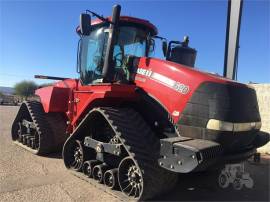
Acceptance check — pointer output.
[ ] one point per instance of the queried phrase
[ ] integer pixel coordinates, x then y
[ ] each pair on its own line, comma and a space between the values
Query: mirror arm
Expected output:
160, 37
98, 16
170, 47
164, 41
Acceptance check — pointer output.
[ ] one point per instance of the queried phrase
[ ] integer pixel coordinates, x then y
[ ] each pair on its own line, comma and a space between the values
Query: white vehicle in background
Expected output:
8, 100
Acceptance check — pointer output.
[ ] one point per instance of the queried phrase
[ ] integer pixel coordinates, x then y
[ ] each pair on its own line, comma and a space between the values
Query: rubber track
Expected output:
48, 141
58, 125
142, 145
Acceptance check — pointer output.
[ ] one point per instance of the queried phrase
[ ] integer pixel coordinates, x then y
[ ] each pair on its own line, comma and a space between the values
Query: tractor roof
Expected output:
128, 19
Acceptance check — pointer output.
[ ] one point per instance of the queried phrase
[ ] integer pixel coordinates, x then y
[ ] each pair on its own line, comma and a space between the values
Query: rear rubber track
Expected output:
49, 126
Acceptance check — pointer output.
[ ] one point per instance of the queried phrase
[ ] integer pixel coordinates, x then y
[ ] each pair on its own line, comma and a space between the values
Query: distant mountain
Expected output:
6, 90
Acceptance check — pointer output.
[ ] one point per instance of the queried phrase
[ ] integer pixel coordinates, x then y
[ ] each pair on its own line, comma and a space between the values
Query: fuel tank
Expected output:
202, 105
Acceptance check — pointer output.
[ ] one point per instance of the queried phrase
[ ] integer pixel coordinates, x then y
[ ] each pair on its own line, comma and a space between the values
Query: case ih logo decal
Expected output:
144, 72
179, 87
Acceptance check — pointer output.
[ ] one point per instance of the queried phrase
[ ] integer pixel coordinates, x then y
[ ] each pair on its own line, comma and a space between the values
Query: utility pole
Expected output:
232, 38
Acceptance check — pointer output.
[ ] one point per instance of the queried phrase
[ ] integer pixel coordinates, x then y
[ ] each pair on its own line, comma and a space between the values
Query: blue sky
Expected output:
39, 37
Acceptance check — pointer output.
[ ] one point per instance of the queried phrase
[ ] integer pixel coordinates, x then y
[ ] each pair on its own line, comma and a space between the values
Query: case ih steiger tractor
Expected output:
132, 122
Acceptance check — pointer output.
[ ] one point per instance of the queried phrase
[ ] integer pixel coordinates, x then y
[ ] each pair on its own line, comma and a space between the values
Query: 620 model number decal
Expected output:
179, 87
182, 88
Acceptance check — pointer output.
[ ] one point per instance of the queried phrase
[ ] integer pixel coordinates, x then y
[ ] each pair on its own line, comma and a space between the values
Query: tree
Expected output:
25, 88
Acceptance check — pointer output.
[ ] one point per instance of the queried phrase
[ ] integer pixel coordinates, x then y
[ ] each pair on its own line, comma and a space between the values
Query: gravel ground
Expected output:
26, 177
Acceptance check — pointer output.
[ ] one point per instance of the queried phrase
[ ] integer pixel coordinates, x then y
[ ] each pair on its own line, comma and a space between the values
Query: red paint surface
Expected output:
101, 95
75, 100
168, 97
127, 19
51, 96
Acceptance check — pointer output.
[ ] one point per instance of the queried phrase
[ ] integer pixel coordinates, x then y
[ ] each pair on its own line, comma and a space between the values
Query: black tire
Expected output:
111, 178
223, 180
237, 184
75, 161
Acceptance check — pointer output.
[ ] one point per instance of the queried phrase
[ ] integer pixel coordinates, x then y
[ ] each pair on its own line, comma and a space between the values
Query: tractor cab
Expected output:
108, 46
105, 45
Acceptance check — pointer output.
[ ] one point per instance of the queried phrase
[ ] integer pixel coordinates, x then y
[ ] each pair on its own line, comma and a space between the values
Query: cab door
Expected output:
90, 63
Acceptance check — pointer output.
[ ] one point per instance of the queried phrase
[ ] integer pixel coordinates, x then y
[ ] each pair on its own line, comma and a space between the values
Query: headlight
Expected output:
214, 124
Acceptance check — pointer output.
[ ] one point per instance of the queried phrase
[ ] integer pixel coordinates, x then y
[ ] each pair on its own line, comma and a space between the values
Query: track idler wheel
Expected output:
130, 178
33, 143
28, 140
73, 154
24, 139
111, 178
20, 132
98, 172
88, 167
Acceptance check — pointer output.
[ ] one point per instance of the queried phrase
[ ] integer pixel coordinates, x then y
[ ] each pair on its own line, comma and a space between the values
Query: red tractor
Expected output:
134, 122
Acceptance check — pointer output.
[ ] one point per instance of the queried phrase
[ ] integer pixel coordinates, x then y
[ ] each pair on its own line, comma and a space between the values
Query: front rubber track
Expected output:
49, 126
141, 145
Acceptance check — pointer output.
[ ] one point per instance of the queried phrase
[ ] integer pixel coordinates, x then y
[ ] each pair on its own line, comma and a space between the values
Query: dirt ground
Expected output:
26, 177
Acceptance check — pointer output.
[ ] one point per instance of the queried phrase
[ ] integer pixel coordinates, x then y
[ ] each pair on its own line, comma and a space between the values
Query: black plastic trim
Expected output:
225, 102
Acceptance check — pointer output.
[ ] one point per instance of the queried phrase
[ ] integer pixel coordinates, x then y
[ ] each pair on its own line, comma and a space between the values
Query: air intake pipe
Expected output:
108, 69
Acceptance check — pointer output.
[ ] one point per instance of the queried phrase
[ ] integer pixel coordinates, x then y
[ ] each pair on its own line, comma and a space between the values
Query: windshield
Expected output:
131, 40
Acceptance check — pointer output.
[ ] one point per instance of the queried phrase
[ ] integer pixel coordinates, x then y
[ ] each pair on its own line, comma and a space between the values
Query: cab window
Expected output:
92, 56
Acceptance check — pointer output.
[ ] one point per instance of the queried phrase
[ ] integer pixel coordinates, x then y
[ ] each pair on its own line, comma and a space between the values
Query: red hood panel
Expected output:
172, 84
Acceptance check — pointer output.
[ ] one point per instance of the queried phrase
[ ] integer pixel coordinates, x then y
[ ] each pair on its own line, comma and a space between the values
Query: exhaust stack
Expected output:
107, 71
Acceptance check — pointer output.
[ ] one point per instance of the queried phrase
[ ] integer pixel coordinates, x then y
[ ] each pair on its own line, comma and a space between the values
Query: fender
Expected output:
107, 94
54, 99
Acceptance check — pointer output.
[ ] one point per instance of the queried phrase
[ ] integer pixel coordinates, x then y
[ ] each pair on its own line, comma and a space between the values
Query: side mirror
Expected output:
85, 24
164, 48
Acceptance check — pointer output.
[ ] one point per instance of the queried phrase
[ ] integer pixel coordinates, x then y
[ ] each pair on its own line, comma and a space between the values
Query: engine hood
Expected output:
172, 84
